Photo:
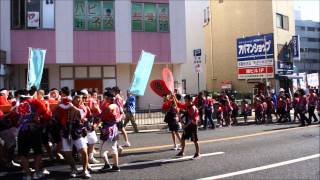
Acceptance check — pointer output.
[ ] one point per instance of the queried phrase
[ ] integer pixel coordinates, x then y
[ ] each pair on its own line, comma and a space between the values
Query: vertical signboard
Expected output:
136, 15
150, 17
295, 46
163, 17
255, 56
94, 15
79, 15
108, 14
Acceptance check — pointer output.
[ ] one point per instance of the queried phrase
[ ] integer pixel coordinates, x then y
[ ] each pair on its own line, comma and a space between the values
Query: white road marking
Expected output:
262, 167
98, 166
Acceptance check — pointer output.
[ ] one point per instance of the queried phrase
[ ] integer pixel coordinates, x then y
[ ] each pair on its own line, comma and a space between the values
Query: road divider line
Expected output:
98, 166
262, 167
216, 140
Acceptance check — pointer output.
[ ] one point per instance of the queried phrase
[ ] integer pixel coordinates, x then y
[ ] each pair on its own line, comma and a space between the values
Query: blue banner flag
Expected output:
35, 67
142, 73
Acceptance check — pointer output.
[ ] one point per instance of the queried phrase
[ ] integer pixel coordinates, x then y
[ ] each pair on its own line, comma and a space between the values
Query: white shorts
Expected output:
110, 147
92, 137
68, 143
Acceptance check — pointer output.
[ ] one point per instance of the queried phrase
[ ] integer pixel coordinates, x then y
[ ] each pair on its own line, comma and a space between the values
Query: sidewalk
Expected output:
162, 126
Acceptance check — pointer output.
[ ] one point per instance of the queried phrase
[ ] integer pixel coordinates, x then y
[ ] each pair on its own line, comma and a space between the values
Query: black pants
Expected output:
311, 114
201, 116
208, 119
303, 119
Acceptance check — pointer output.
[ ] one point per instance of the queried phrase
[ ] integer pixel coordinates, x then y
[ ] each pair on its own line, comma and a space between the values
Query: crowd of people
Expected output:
268, 106
280, 106
68, 120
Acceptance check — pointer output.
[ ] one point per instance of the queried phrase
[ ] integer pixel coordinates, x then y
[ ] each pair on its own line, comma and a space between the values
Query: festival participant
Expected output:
318, 105
8, 134
302, 108
54, 97
234, 112
109, 132
119, 101
208, 109
295, 107
227, 110
312, 103
288, 107
45, 123
3, 97
199, 102
87, 116
69, 119
130, 110
220, 114
29, 112
190, 127
281, 107
270, 109
170, 108
245, 110
259, 111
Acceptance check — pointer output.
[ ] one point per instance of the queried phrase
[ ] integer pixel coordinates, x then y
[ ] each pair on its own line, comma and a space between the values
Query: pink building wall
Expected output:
94, 47
154, 42
21, 40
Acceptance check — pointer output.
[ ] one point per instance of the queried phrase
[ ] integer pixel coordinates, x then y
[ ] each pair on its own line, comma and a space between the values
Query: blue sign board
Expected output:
295, 47
255, 47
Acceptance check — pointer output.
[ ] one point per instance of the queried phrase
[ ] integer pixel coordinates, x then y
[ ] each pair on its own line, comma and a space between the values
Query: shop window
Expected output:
150, 17
93, 15
32, 14
282, 21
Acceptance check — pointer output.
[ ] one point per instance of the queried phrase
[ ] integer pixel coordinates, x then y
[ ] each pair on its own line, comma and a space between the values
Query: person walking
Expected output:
208, 109
312, 103
302, 103
190, 130
130, 110
170, 108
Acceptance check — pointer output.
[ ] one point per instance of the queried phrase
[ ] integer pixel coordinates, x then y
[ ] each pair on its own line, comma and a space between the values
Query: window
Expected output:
32, 14
313, 50
314, 39
150, 17
302, 28
318, 29
93, 15
282, 21
311, 28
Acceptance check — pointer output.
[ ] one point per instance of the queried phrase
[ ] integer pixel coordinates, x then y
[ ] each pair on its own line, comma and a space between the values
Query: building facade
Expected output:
309, 33
237, 21
96, 44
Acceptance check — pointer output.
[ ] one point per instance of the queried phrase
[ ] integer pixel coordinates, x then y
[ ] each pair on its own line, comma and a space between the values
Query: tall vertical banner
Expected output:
35, 67
142, 73
295, 47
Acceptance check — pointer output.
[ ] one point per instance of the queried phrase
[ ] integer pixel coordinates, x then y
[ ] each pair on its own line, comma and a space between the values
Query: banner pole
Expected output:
28, 67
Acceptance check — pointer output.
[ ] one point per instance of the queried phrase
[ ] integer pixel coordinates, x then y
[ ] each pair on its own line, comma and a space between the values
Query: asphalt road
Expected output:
273, 151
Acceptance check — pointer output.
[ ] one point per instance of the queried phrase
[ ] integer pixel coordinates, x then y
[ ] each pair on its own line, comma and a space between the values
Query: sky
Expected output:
309, 9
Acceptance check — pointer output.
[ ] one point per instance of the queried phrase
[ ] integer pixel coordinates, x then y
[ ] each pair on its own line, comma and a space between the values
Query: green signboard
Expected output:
94, 15
136, 16
150, 17
163, 13
108, 14
79, 14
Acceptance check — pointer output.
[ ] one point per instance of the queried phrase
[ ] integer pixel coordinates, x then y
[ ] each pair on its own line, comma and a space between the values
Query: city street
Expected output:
243, 152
